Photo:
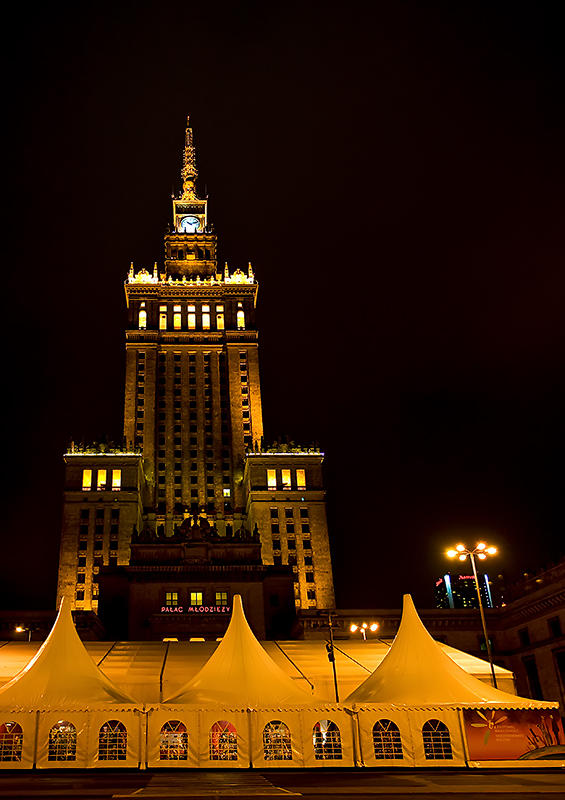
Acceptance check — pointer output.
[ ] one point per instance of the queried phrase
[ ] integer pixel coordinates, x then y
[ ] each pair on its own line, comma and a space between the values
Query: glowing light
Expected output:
451, 553
460, 547
19, 629
364, 625
482, 556
481, 546
352, 627
374, 626
492, 551
462, 558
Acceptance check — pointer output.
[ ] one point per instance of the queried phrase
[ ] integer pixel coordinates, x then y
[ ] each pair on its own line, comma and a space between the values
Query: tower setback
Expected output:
193, 428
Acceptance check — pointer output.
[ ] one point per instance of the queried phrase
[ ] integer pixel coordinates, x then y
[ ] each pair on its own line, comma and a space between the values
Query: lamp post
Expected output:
331, 655
21, 629
363, 628
480, 551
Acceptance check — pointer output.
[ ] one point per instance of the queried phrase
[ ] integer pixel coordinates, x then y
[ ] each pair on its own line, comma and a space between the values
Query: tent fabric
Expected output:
240, 673
416, 671
61, 675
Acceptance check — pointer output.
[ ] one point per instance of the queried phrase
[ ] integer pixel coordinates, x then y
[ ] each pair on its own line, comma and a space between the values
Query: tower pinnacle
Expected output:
189, 173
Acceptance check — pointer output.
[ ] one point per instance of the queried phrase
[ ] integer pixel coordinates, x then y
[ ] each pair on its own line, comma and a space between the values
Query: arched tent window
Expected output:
11, 741
173, 742
276, 741
112, 741
62, 742
386, 739
437, 741
223, 741
142, 319
240, 317
327, 740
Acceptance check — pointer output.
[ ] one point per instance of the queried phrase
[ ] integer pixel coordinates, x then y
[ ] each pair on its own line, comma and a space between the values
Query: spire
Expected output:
189, 173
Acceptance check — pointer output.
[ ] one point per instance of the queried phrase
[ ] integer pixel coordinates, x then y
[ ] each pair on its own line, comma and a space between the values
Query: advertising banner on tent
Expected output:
505, 734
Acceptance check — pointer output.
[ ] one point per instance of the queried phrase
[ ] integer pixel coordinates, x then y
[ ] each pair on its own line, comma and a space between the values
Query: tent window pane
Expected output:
386, 740
11, 741
327, 740
276, 742
173, 742
112, 741
62, 742
437, 741
223, 741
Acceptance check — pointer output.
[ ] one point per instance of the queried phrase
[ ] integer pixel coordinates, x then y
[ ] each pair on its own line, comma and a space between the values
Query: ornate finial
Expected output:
189, 173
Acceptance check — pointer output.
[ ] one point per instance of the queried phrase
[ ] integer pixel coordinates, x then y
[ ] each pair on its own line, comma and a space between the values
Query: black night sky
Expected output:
395, 173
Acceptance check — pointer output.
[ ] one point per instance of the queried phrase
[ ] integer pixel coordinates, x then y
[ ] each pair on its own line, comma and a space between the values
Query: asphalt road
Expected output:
318, 784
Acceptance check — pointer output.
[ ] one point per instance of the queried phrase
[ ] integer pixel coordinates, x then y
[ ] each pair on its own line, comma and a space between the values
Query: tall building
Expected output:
460, 591
193, 427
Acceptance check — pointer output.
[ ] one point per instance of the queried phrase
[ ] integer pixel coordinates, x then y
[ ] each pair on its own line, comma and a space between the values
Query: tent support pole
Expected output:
36, 741
248, 712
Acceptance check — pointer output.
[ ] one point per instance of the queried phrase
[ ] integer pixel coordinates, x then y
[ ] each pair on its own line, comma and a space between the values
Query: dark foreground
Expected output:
318, 784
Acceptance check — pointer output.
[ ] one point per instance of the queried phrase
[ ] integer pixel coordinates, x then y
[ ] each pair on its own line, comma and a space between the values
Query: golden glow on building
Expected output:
86, 480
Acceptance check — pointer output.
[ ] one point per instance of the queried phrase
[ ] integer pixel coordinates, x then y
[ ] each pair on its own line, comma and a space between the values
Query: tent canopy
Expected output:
416, 672
240, 673
61, 674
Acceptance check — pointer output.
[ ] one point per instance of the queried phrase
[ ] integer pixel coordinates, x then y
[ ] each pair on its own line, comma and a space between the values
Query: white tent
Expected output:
418, 688
56, 699
246, 703
240, 673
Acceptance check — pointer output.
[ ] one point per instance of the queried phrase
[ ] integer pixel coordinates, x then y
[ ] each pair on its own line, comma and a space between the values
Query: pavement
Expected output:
315, 783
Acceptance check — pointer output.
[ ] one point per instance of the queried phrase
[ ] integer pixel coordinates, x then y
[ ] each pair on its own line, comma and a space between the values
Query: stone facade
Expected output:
192, 408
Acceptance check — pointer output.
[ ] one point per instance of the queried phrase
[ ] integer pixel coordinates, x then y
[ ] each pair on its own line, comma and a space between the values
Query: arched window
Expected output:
327, 740
62, 742
386, 739
173, 742
223, 741
240, 317
437, 741
142, 317
276, 741
112, 741
11, 741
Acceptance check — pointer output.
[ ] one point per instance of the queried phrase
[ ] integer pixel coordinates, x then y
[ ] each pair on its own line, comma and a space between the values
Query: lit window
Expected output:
171, 599
177, 318
285, 473
223, 741
86, 480
62, 742
192, 317
116, 480
386, 740
142, 317
276, 742
227, 493
173, 744
162, 318
221, 598
437, 741
11, 741
112, 741
272, 479
196, 599
327, 741
101, 480
206, 317
300, 478
240, 317
220, 318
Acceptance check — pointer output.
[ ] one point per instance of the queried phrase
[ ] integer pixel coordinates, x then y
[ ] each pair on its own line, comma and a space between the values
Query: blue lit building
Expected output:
459, 591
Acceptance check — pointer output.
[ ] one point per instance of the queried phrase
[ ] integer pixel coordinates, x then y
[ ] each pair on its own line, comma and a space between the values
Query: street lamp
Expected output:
21, 629
480, 551
363, 628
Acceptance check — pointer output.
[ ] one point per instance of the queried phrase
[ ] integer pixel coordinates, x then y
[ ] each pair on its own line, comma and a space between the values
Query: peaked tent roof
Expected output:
416, 671
240, 672
61, 674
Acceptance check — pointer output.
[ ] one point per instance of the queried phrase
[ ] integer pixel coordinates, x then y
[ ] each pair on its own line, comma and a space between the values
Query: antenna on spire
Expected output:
189, 173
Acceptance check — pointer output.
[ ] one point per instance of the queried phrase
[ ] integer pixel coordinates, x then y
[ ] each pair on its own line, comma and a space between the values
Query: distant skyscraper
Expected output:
459, 591
193, 426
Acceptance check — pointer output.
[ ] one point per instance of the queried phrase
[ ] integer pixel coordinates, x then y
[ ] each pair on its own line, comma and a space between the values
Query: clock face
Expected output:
189, 225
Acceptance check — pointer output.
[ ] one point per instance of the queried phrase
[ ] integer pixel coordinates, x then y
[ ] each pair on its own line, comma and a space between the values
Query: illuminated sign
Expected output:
195, 610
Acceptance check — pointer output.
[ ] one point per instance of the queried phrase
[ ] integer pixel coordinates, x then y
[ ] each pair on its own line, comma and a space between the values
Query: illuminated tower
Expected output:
192, 394
193, 429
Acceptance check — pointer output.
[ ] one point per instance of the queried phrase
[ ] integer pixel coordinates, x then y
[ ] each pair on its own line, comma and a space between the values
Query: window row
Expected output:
282, 479
195, 598
101, 480
223, 741
193, 318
